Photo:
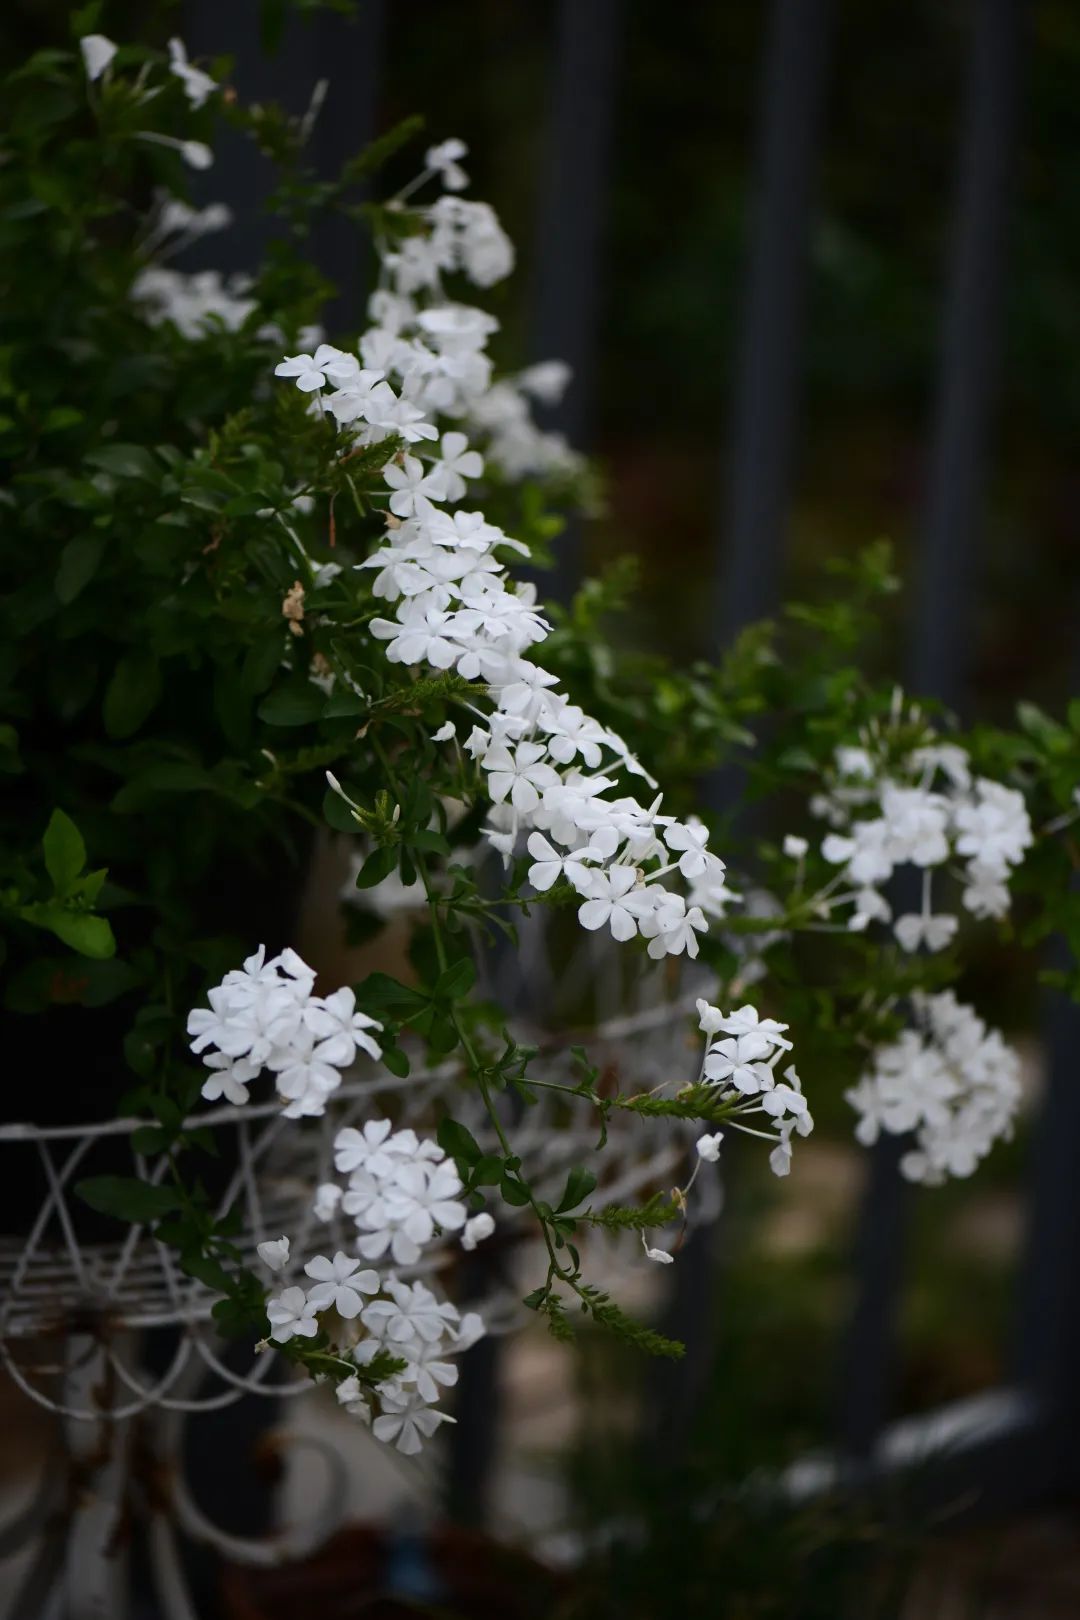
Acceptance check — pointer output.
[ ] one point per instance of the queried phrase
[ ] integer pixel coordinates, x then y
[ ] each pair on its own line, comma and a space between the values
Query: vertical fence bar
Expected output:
940, 654
572, 209
570, 216
348, 54
345, 51
1047, 1352
764, 412
765, 404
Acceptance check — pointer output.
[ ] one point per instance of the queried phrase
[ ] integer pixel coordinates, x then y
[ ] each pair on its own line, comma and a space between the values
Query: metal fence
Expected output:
1014, 1446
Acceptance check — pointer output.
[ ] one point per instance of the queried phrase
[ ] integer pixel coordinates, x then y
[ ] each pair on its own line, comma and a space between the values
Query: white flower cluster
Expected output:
401, 1191
742, 1054
194, 302
551, 769
365, 1314
265, 1015
950, 1080
929, 812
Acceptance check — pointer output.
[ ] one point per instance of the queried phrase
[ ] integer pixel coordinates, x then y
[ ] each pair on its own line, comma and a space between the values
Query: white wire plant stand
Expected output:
76, 1315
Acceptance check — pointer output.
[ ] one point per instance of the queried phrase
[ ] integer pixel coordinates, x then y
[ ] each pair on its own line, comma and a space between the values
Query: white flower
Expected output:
411, 1312
327, 1198
915, 929
425, 1196
476, 1229
340, 1028
745, 1021
230, 1079
274, 1253
456, 463
610, 891
691, 838
780, 1157
350, 1394
97, 53
196, 154
735, 1061
339, 1284
710, 1019
549, 864
197, 85
444, 159
661, 1256
420, 636
708, 1147
409, 480
546, 381
290, 1314
407, 1421
519, 774
445, 732
795, 847
309, 370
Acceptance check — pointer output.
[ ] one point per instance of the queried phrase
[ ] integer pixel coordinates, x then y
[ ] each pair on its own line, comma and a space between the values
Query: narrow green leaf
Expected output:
458, 1141
78, 564
65, 851
131, 694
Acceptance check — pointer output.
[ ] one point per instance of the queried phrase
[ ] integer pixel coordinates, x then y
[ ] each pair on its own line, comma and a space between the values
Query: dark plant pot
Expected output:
368, 1573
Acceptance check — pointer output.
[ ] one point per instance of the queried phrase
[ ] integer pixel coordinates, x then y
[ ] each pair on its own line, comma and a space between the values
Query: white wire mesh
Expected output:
55, 1286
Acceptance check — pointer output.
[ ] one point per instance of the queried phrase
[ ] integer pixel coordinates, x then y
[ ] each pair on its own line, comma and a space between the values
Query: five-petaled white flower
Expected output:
339, 1283
291, 1315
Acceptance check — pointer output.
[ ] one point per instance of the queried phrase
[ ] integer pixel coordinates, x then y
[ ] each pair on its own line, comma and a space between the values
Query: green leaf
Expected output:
65, 852
85, 933
262, 661
380, 993
579, 1184
208, 1271
456, 981
149, 1139
78, 564
337, 814
395, 1060
459, 1142
127, 1198
514, 1191
131, 694
379, 865
487, 1172
293, 705
124, 461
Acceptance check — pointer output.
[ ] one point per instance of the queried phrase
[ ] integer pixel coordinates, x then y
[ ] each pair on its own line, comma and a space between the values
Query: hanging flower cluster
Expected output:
925, 810
950, 1080
266, 1015
742, 1054
554, 774
399, 1189
363, 1315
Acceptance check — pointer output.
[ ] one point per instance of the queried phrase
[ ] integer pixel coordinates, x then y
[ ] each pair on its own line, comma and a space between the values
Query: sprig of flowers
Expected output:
921, 808
951, 1081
